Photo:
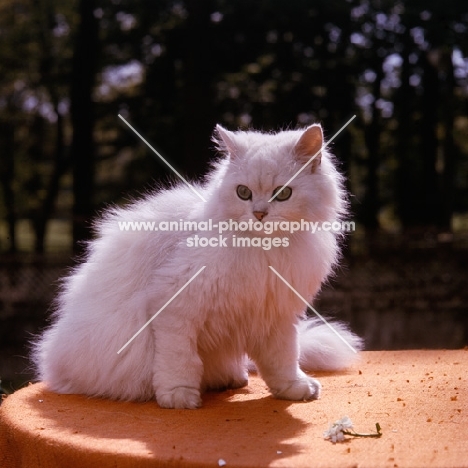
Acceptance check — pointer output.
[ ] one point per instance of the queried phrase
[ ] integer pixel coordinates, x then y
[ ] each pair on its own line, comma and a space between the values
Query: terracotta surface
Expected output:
420, 399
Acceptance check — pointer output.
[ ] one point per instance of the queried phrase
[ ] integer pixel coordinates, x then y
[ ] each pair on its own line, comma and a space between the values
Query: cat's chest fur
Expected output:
242, 296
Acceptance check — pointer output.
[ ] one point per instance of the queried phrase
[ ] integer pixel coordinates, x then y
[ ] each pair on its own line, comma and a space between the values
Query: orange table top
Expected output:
419, 398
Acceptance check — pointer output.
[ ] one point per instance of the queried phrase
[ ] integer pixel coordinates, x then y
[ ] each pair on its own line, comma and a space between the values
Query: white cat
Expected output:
236, 307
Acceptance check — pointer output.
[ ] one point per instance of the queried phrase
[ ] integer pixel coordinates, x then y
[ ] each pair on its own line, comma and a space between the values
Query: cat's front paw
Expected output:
304, 388
180, 398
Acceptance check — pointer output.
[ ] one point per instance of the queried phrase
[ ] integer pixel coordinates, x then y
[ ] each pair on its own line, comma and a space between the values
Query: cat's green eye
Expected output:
284, 194
244, 192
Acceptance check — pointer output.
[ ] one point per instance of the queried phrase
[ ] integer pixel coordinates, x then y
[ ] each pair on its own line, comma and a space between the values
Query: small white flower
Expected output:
221, 462
344, 426
335, 432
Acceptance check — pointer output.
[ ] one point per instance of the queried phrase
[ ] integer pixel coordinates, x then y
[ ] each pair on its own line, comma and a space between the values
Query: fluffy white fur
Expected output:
237, 307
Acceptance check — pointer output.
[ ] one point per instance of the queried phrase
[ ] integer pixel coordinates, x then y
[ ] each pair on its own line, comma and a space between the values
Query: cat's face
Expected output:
259, 165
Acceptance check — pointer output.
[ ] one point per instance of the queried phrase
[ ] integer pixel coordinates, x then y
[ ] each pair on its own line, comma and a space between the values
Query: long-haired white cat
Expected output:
236, 308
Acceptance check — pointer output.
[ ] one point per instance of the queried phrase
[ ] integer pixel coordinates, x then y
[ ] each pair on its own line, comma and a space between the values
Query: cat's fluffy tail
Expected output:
322, 349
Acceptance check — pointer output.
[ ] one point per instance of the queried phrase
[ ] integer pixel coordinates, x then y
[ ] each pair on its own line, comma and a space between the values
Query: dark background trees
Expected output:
175, 68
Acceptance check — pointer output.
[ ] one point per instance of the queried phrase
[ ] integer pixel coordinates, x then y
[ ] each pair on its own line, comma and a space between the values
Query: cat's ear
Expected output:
226, 141
309, 144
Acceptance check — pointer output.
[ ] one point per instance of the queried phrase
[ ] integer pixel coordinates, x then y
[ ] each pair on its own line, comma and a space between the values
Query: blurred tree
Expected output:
199, 64
429, 118
449, 152
52, 71
7, 177
82, 150
407, 193
11, 29
33, 63
175, 67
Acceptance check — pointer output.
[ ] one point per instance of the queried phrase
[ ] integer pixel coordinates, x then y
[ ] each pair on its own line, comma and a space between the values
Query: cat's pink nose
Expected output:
260, 214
